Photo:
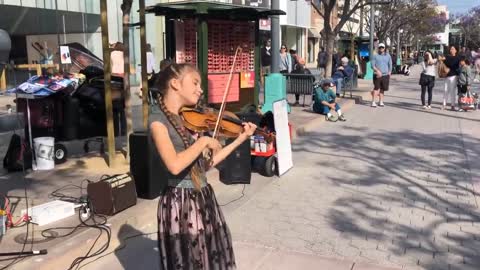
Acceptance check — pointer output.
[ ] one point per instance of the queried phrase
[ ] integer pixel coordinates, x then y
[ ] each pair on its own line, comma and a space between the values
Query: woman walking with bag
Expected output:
427, 78
452, 61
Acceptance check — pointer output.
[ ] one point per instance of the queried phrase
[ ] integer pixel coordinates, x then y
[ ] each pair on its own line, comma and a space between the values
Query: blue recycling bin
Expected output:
275, 89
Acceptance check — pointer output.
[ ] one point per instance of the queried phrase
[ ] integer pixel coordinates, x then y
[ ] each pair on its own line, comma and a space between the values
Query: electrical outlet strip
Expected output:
49, 212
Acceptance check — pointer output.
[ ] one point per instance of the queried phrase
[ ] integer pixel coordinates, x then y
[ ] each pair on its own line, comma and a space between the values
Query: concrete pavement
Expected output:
392, 188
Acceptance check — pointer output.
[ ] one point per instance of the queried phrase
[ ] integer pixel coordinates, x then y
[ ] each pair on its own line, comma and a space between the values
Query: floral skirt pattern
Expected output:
192, 233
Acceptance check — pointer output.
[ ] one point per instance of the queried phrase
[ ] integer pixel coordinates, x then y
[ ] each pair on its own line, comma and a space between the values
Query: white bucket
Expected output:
44, 152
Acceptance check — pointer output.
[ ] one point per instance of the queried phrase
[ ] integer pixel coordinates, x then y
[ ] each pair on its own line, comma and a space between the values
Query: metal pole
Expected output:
361, 19
143, 59
275, 31
399, 50
107, 81
372, 29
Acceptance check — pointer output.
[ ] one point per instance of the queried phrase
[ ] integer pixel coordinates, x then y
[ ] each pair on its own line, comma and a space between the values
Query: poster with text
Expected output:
284, 144
65, 55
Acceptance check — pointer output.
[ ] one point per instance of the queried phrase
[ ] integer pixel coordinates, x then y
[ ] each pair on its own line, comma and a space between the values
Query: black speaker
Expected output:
145, 166
237, 167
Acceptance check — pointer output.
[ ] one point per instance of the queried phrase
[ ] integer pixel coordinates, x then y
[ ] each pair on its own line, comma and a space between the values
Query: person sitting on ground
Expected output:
325, 102
301, 69
342, 72
464, 79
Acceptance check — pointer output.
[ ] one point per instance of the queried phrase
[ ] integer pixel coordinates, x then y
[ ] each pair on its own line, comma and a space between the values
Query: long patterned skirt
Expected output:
192, 233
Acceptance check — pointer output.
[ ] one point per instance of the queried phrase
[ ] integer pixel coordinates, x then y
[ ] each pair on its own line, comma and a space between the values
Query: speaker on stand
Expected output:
237, 167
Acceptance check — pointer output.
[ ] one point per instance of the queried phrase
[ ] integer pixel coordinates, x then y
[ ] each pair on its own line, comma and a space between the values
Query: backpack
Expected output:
18, 155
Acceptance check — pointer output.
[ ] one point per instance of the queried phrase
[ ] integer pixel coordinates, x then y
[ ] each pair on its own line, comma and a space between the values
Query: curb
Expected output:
346, 104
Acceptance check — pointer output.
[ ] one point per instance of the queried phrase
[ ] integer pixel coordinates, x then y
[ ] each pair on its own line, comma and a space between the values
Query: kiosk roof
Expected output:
191, 9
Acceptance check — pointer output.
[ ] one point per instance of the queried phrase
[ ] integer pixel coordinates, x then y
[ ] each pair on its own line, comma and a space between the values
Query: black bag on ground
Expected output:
18, 155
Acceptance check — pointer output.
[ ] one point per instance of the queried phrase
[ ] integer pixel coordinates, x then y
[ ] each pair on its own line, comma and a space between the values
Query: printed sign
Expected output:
65, 55
217, 83
264, 24
284, 144
247, 79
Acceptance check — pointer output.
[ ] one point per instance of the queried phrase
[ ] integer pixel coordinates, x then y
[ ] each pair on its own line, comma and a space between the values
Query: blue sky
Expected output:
456, 6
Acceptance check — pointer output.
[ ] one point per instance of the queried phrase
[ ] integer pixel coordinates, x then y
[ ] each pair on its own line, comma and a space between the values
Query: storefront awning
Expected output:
22, 21
191, 9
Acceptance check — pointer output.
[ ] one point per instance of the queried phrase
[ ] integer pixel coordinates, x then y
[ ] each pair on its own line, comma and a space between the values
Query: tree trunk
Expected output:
126, 76
330, 41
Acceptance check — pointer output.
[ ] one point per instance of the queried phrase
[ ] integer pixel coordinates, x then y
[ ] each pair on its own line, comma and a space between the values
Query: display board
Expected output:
217, 83
283, 140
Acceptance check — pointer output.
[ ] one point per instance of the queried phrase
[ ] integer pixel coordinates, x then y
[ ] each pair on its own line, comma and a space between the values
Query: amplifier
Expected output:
112, 195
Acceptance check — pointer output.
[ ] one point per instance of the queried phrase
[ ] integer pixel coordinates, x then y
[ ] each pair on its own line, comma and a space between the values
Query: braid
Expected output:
195, 170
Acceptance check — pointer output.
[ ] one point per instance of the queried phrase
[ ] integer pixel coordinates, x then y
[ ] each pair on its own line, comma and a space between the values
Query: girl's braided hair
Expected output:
176, 71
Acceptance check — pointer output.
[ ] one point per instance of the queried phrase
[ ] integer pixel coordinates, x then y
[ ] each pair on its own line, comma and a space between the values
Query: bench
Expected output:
347, 85
300, 84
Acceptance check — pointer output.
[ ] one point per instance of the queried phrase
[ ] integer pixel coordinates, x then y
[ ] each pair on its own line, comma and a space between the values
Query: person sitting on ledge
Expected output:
324, 102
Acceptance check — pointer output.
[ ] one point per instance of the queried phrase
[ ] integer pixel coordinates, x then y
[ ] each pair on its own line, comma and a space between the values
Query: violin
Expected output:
230, 125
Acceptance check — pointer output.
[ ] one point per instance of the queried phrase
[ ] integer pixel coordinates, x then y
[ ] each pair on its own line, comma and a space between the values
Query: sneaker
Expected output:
381, 104
332, 118
342, 118
461, 110
374, 105
424, 107
296, 103
429, 107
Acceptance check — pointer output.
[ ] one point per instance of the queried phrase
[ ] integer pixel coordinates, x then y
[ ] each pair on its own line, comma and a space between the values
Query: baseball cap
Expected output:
381, 45
327, 82
344, 60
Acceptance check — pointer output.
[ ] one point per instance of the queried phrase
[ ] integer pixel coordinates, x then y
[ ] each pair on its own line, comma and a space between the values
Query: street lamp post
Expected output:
372, 29
399, 48
275, 30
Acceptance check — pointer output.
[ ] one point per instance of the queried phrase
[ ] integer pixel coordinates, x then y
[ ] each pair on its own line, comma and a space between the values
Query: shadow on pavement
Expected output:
432, 193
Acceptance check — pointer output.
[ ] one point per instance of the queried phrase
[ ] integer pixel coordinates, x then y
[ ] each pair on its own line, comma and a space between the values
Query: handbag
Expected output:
467, 102
424, 79
443, 70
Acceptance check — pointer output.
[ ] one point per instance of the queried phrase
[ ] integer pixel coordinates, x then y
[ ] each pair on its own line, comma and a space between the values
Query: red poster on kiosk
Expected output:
217, 83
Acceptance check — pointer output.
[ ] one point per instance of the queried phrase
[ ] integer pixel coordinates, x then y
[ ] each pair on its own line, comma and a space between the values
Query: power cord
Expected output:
237, 199
60, 196
21, 257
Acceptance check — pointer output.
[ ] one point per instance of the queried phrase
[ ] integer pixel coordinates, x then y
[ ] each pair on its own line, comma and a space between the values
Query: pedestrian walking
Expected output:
294, 56
192, 232
322, 62
476, 59
285, 60
382, 67
464, 81
116, 59
150, 61
150, 66
427, 78
266, 60
452, 61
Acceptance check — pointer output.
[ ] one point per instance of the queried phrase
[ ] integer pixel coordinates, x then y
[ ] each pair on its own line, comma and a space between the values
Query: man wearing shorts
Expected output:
382, 68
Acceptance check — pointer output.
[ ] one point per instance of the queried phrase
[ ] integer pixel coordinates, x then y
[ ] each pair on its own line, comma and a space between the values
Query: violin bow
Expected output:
225, 94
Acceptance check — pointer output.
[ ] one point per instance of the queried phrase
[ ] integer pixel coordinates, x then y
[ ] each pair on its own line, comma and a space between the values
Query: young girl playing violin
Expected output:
192, 233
